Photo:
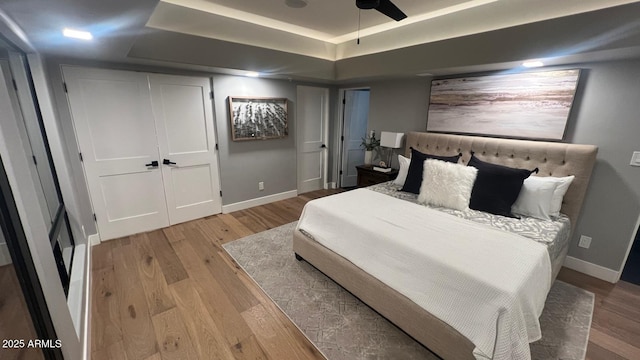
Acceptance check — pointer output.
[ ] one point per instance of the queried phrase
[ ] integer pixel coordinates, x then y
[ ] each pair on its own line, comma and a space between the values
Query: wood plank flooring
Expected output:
175, 294
615, 328
15, 320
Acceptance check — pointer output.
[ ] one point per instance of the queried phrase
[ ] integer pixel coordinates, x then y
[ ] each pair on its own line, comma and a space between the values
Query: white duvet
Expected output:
488, 284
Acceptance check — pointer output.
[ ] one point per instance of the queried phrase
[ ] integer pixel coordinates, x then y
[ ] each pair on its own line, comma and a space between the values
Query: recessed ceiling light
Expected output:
532, 63
252, 74
77, 34
296, 3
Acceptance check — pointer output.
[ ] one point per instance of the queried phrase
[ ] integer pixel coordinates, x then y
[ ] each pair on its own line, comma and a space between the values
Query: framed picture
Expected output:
258, 118
533, 105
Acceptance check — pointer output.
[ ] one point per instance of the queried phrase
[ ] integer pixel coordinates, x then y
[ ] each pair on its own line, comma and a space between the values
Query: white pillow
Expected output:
447, 184
404, 169
535, 198
558, 194
555, 203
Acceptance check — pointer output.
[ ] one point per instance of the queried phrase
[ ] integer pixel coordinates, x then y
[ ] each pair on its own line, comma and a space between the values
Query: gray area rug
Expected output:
343, 327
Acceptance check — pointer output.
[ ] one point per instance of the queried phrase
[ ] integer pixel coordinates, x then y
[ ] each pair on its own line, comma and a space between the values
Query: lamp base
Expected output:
389, 158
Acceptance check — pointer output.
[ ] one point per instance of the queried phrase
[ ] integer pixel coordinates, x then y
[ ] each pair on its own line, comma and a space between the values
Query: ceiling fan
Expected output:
384, 6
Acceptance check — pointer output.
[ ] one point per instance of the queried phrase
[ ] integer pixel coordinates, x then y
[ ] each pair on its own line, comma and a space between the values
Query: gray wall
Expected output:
399, 106
605, 114
244, 163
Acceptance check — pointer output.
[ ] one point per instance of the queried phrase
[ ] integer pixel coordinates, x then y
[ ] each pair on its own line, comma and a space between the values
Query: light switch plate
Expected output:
635, 159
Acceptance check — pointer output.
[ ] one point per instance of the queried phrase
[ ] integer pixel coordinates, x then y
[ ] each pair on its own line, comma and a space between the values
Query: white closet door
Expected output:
186, 137
116, 132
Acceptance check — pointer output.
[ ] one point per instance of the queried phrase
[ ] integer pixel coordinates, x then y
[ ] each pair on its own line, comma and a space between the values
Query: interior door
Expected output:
116, 133
187, 143
355, 121
312, 113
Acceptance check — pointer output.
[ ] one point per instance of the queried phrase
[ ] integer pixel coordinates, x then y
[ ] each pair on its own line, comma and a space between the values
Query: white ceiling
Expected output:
320, 19
327, 29
131, 31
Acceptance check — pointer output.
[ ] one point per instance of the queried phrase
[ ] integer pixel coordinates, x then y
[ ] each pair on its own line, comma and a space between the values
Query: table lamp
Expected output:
390, 140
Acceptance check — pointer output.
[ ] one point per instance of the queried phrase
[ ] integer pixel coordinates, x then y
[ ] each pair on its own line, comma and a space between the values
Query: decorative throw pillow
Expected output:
496, 187
416, 167
535, 198
447, 184
404, 168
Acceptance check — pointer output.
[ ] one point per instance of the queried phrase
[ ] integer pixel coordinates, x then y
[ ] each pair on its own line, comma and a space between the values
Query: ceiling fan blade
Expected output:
388, 8
367, 4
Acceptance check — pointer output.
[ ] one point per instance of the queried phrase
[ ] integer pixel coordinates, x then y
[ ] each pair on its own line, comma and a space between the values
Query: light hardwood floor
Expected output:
15, 320
175, 294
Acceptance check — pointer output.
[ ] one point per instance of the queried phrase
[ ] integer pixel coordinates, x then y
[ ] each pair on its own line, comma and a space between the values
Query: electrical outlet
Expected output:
635, 159
261, 185
585, 242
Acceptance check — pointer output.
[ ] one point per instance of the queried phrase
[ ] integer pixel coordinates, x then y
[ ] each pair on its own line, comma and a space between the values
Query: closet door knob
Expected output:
154, 163
168, 162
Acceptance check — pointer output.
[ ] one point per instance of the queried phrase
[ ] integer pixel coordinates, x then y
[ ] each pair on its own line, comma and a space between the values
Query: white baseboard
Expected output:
258, 201
94, 239
76, 287
332, 185
591, 269
5, 257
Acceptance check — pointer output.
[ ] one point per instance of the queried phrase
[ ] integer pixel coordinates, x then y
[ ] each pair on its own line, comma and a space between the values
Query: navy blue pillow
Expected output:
416, 167
497, 187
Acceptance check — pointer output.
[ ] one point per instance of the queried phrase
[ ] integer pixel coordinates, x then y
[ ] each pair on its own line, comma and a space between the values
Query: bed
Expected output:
402, 308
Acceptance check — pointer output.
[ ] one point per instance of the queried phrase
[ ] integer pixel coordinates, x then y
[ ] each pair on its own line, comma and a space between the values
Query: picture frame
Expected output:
257, 118
527, 105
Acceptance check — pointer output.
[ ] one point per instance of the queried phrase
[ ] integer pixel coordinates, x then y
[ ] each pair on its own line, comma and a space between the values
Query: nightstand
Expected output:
367, 176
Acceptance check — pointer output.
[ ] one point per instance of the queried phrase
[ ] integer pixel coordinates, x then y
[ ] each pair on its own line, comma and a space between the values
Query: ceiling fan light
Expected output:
296, 4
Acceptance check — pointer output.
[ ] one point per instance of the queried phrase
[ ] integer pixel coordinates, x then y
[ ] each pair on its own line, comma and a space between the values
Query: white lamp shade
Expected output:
391, 139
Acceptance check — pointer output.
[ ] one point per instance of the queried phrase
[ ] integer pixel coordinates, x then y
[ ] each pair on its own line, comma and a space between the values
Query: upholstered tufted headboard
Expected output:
552, 159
